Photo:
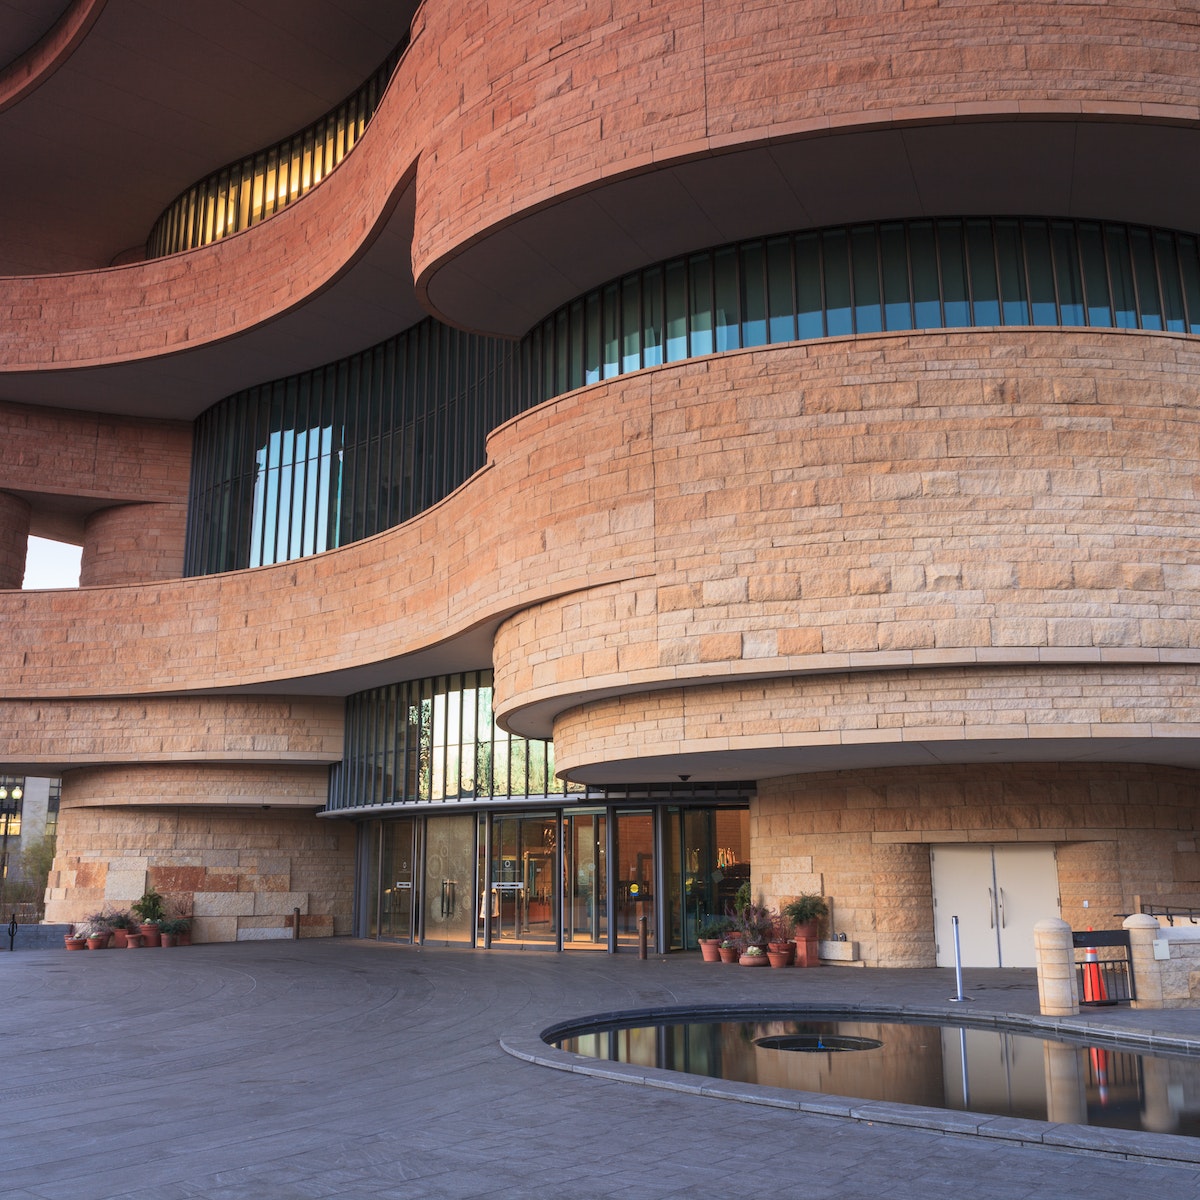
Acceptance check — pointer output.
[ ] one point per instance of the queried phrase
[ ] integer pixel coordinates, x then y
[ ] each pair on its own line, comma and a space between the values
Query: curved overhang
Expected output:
1142, 167
358, 292
36, 41
119, 116
944, 715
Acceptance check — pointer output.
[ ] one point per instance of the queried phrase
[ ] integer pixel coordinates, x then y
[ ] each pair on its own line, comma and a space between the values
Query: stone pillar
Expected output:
1058, 989
14, 539
133, 543
1147, 971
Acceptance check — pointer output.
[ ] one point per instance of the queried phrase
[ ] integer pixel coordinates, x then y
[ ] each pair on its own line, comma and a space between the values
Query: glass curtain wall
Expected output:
870, 278
435, 741
248, 191
334, 455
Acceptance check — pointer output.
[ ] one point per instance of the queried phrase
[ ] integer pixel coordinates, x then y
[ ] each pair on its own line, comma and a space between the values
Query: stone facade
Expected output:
238, 871
925, 587
862, 838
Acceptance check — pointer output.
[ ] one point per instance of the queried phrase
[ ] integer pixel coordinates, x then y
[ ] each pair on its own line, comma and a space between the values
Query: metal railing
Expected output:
1104, 965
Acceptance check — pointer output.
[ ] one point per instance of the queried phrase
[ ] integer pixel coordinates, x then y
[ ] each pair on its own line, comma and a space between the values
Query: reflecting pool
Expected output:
983, 1070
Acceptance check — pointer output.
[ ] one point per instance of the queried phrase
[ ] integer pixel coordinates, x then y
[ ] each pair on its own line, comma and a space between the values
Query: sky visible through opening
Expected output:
51, 564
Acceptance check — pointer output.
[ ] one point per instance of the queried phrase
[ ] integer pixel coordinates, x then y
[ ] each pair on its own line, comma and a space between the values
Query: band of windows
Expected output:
870, 278
435, 741
246, 192
343, 452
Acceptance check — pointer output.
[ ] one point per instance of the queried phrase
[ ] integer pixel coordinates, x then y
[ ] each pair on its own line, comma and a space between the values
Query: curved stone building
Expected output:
540, 466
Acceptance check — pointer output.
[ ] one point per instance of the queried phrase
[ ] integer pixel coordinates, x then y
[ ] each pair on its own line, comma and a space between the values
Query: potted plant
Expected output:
150, 911
120, 922
171, 929
752, 921
730, 950
781, 950
754, 956
806, 912
95, 930
710, 934
74, 940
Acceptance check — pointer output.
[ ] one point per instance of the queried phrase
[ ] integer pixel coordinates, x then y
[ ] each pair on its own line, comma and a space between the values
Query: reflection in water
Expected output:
941, 1066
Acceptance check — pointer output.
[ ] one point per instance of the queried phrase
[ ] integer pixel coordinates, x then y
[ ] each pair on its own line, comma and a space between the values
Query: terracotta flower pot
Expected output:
133, 939
98, 941
150, 934
754, 960
729, 954
167, 939
787, 949
75, 943
710, 949
119, 938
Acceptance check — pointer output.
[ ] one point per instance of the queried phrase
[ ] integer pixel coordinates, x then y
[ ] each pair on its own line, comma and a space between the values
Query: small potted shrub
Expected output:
172, 929
150, 911
120, 922
709, 936
96, 930
754, 956
781, 950
806, 912
730, 950
752, 921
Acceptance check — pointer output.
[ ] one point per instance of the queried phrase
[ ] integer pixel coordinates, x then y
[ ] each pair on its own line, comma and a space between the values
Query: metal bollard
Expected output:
643, 936
295, 924
12, 932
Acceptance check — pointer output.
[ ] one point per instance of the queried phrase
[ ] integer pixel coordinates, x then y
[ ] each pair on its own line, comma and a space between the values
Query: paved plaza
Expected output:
344, 1068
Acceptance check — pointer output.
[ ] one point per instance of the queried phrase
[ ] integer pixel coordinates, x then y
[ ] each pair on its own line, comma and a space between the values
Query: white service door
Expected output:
998, 894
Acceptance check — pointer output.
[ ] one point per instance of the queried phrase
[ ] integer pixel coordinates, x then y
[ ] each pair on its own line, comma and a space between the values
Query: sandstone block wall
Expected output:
862, 838
238, 871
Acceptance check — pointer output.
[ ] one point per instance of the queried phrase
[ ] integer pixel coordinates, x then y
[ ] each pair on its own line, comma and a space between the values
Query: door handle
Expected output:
1003, 922
991, 909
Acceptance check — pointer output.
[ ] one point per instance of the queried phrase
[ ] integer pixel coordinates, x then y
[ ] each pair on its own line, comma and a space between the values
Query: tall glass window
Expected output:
337, 454
435, 740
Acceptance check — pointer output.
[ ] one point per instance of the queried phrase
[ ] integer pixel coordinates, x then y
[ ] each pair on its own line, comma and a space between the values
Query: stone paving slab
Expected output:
330, 1067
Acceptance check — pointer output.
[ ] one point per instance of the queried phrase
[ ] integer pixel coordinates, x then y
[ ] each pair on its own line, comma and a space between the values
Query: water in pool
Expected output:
941, 1066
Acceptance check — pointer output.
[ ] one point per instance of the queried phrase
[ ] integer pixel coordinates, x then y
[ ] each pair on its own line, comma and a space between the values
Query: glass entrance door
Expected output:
397, 903
520, 900
585, 881
449, 878
708, 859
633, 875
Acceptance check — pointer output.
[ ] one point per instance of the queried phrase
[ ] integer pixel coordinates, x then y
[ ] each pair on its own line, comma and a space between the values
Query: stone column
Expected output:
14, 539
1147, 971
133, 543
1058, 989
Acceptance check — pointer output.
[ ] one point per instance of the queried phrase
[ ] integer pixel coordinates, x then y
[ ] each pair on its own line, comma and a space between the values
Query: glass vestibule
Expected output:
580, 878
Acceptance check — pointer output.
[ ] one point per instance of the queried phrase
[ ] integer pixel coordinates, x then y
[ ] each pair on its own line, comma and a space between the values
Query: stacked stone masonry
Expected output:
922, 588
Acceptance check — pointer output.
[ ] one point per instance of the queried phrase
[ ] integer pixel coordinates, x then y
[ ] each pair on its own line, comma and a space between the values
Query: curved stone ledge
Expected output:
923, 497
46, 736
885, 718
899, 502
40, 61
1086, 110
